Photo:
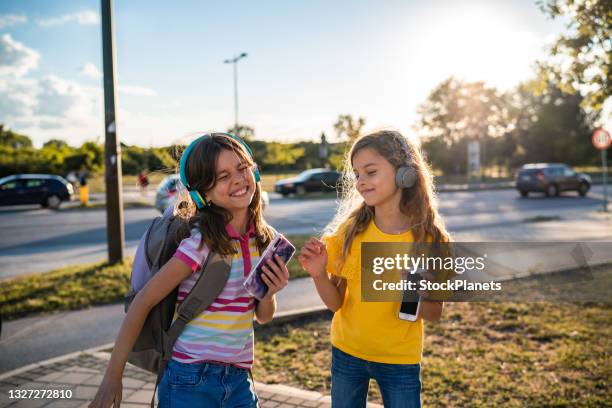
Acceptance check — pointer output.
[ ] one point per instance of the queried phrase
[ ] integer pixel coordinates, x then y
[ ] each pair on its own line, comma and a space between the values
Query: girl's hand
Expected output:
429, 276
275, 275
429, 310
108, 395
313, 258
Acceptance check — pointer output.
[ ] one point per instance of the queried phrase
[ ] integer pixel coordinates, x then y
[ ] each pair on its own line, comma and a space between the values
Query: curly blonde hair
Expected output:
418, 203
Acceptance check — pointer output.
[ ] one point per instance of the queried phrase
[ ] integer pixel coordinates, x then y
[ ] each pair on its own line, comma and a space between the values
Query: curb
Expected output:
281, 318
293, 392
93, 350
291, 315
450, 188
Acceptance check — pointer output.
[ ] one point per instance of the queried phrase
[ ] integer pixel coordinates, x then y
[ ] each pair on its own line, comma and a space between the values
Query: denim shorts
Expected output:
400, 384
205, 385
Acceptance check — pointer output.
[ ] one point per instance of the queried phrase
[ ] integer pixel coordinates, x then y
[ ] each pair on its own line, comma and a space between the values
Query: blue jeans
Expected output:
400, 384
205, 385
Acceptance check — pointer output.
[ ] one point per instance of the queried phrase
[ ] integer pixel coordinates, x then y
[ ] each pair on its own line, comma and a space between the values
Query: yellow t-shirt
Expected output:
371, 330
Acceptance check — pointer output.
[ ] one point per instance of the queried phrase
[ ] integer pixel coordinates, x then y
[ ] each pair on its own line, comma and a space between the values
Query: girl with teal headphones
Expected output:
223, 213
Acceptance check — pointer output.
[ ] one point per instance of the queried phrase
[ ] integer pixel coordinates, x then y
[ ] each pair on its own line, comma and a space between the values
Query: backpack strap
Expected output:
215, 273
212, 280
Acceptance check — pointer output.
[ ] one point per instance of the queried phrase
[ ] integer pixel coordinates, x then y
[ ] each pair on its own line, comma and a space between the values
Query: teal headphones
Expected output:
197, 198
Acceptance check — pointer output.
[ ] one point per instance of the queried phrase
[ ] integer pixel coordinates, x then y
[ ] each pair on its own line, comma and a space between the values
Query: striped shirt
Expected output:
224, 331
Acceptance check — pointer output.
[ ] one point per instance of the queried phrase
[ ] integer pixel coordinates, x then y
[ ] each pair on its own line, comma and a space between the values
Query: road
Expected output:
472, 216
38, 240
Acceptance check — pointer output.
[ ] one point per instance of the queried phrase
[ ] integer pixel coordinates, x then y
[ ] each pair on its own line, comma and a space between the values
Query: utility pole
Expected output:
235, 62
112, 149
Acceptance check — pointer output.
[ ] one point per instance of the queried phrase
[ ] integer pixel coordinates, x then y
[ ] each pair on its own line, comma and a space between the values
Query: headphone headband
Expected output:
197, 198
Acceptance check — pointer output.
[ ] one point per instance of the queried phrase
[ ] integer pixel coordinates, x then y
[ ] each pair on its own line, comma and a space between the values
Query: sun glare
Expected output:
476, 45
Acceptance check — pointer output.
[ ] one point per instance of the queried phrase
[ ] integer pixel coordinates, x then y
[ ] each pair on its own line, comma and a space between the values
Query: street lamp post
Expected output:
235, 61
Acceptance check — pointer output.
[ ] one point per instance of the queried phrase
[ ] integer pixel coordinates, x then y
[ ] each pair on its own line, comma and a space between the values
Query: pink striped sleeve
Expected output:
189, 253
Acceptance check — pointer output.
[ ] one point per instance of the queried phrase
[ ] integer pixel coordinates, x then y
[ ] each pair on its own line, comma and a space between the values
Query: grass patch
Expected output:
481, 355
294, 267
81, 286
69, 288
268, 180
98, 205
97, 184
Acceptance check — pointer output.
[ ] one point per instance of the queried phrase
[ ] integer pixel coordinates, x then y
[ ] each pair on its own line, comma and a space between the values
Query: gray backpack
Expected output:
153, 347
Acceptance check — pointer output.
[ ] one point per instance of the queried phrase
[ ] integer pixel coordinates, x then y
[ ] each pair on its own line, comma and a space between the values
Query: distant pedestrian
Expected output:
143, 182
83, 178
83, 188
390, 200
214, 353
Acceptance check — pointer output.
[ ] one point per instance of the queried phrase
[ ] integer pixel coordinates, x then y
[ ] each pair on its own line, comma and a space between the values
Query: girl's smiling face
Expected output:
234, 182
375, 177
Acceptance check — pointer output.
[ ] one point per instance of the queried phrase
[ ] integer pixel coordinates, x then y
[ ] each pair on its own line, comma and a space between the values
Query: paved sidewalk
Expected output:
81, 373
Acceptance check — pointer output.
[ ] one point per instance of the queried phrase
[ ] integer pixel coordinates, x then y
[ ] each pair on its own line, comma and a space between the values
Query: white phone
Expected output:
409, 311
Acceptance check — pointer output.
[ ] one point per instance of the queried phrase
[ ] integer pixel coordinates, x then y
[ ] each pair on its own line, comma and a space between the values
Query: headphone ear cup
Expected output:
405, 177
197, 199
256, 174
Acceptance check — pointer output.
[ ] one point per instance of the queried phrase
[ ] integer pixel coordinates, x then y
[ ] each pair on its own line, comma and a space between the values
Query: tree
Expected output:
456, 112
57, 144
90, 157
95, 154
581, 56
282, 154
551, 126
349, 127
245, 132
13, 140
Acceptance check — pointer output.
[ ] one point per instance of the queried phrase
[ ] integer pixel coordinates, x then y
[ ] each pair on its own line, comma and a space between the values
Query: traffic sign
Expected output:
602, 139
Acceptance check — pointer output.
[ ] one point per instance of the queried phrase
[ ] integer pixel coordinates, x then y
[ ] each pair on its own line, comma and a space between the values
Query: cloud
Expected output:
91, 71
135, 90
52, 106
15, 58
63, 98
17, 98
8, 20
45, 107
81, 17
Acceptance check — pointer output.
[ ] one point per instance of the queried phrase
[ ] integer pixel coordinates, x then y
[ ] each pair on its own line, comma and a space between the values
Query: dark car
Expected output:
308, 181
44, 189
551, 179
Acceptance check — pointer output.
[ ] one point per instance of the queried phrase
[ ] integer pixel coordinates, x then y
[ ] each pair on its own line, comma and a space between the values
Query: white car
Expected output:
168, 188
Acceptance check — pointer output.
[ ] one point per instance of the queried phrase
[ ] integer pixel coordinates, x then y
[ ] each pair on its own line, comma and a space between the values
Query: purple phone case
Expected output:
279, 246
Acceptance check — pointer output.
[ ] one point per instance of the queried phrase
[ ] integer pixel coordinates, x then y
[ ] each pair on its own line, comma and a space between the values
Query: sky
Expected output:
308, 62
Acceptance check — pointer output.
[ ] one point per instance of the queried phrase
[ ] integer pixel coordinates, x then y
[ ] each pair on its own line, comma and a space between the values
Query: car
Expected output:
308, 181
551, 179
166, 192
47, 190
168, 189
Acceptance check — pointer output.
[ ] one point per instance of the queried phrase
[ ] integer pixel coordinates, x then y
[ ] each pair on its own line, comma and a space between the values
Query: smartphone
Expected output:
278, 246
410, 301
409, 311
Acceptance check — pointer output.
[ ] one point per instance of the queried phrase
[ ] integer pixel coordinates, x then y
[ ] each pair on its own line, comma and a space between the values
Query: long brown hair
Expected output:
200, 171
419, 202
